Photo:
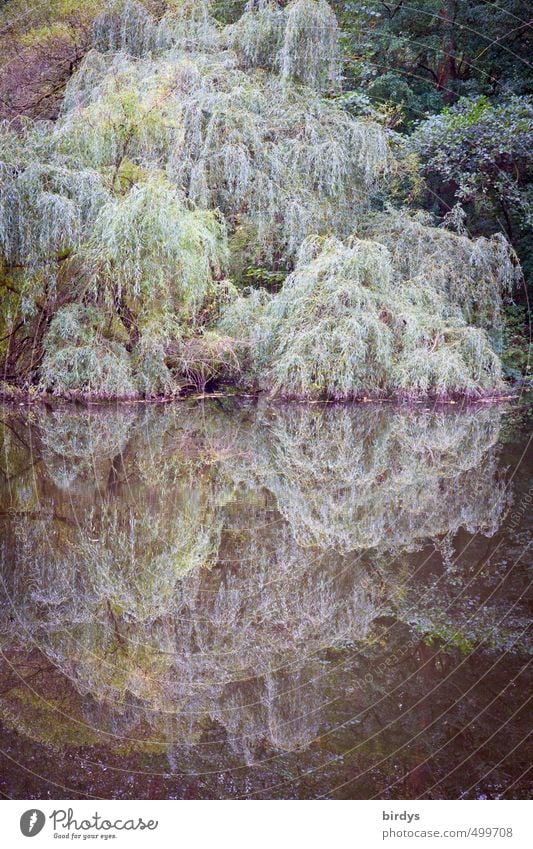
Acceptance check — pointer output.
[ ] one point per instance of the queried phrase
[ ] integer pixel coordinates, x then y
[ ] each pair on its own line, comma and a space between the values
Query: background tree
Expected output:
424, 54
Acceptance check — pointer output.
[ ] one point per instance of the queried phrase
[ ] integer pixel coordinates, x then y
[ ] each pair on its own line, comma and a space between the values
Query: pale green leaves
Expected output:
355, 319
150, 245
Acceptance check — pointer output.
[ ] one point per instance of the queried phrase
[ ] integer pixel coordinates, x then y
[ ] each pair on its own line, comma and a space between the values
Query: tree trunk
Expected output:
447, 69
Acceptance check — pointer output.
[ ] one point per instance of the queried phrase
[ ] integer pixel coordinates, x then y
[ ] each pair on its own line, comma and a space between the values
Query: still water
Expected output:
226, 600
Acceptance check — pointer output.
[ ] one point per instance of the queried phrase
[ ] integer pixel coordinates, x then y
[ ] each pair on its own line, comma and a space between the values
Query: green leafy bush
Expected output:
517, 351
482, 148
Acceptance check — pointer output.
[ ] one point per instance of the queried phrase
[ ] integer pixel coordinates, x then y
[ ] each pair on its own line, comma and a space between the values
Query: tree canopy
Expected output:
192, 157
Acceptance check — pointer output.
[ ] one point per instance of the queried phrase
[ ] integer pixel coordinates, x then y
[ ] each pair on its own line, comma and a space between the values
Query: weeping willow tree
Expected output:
472, 274
46, 204
359, 318
276, 158
298, 40
188, 153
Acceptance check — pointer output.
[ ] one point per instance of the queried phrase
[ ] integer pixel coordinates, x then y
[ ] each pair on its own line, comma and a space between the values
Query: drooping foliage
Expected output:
46, 200
472, 274
299, 40
477, 153
142, 262
188, 151
268, 153
455, 80
382, 316
380, 480
124, 26
148, 246
80, 356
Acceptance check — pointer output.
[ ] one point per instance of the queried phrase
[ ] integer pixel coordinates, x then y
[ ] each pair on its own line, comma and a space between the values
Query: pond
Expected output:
241, 599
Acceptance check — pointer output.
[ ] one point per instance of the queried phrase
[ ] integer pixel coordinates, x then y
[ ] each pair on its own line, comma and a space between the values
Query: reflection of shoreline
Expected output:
208, 560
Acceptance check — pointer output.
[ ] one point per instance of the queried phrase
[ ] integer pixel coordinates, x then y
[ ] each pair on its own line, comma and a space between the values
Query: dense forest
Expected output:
319, 200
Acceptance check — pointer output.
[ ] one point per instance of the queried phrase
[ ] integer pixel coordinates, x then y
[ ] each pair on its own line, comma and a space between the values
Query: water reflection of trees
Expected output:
187, 567
382, 480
